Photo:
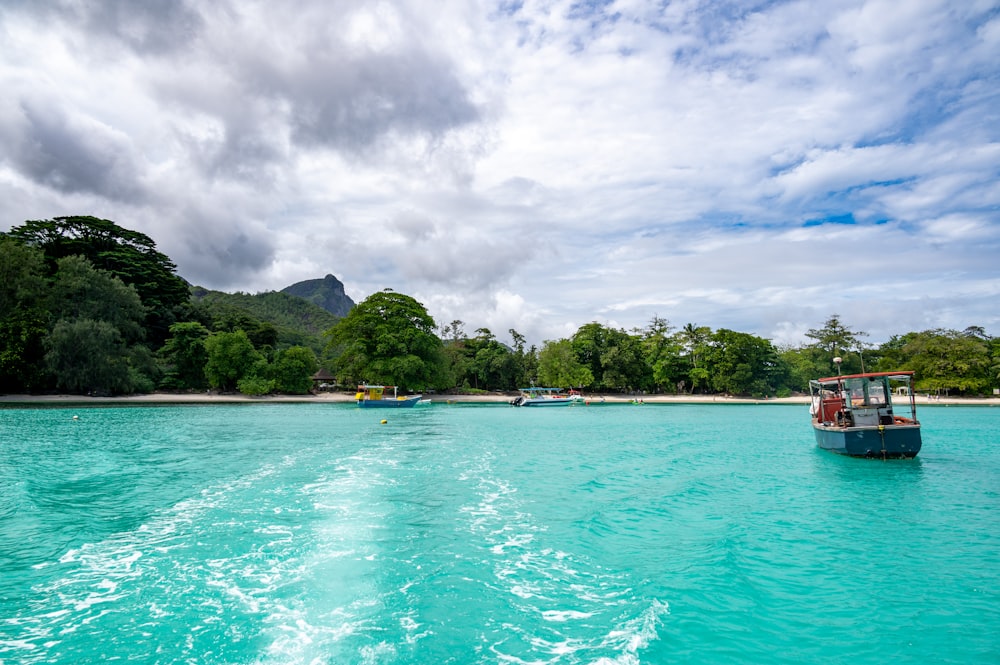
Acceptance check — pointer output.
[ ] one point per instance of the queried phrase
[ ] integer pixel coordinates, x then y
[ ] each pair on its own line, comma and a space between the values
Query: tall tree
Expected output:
96, 332
835, 339
662, 354
185, 356
22, 316
614, 357
388, 338
525, 360
231, 357
79, 291
292, 370
695, 339
944, 361
86, 355
558, 366
454, 331
743, 364
129, 255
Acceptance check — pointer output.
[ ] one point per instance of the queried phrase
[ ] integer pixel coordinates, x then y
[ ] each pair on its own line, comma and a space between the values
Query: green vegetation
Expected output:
388, 339
293, 319
89, 307
128, 255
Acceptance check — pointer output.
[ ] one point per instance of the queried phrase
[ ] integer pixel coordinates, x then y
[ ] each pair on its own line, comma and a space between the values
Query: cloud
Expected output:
151, 27
72, 154
537, 164
223, 249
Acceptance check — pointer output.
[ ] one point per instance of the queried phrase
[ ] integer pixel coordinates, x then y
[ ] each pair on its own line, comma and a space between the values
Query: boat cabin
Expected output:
371, 392
861, 400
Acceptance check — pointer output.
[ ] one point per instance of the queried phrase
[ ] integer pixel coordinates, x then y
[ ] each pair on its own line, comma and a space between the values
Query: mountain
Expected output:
328, 293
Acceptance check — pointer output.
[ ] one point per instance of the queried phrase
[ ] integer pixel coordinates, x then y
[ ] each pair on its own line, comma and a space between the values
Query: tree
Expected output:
742, 364
231, 356
457, 362
835, 339
454, 331
945, 360
662, 354
185, 356
82, 302
525, 360
388, 338
614, 358
22, 316
79, 291
624, 363
292, 370
695, 339
263, 334
492, 363
129, 255
588, 343
804, 365
90, 356
559, 368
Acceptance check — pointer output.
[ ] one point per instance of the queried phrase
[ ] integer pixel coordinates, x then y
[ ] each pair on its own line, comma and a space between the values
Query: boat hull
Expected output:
885, 441
404, 403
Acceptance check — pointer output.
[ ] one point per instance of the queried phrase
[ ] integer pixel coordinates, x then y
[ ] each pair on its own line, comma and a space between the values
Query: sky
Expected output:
536, 164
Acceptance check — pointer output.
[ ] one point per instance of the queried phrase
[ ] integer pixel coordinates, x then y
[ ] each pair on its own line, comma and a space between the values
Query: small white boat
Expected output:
547, 397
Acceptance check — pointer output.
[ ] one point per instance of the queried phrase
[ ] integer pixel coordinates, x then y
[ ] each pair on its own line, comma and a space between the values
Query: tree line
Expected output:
87, 306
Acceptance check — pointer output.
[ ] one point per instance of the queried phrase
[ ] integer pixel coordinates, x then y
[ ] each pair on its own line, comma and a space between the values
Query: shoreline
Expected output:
493, 398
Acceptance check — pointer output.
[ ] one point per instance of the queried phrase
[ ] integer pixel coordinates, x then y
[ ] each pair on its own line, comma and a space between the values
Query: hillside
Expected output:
282, 310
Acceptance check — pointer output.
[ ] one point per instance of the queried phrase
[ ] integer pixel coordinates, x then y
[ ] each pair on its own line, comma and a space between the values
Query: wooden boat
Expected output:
535, 396
378, 397
855, 415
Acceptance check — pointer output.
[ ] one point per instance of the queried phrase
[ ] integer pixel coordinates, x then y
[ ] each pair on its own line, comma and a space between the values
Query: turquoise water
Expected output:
486, 534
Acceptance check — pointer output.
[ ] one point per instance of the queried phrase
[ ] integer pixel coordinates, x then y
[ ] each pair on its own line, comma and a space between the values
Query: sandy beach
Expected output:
500, 398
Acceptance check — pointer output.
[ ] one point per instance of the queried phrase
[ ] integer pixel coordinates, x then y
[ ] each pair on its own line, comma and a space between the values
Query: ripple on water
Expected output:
311, 534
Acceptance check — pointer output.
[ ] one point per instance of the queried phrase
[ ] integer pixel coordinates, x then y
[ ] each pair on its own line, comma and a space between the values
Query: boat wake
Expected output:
101, 584
555, 604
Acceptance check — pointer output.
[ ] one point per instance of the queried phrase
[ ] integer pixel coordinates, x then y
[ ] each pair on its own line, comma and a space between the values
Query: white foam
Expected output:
635, 634
561, 616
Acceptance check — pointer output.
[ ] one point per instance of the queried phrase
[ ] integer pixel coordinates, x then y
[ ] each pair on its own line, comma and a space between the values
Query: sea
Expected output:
458, 533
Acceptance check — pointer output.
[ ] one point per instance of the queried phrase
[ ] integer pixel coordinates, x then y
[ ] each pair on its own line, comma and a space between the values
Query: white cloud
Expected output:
536, 165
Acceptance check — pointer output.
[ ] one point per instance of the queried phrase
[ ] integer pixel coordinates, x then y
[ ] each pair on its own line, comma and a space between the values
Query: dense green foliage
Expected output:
89, 307
185, 356
292, 370
696, 359
388, 339
231, 356
128, 255
23, 316
558, 366
290, 315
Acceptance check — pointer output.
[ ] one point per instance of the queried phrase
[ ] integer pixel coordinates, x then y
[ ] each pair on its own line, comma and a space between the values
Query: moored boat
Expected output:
378, 397
854, 414
535, 396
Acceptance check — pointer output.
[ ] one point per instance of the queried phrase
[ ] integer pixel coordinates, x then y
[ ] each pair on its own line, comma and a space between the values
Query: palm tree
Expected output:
694, 338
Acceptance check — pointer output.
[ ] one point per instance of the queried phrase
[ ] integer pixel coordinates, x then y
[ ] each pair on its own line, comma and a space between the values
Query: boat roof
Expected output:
903, 374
